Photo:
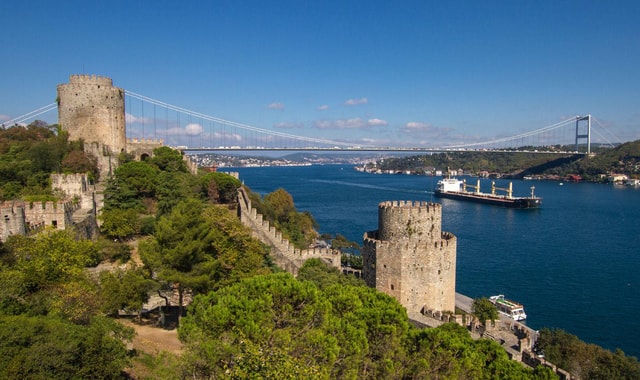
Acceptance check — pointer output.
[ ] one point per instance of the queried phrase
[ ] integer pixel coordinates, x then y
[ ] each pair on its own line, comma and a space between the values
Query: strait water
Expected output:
574, 263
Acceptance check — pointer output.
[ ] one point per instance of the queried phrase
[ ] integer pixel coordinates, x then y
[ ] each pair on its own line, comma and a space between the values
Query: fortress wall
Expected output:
72, 185
283, 252
56, 214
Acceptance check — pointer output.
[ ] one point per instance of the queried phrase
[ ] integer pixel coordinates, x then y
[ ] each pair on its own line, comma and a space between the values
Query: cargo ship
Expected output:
508, 308
454, 188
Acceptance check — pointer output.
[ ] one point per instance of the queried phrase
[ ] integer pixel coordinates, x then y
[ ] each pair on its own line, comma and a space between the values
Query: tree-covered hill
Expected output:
624, 158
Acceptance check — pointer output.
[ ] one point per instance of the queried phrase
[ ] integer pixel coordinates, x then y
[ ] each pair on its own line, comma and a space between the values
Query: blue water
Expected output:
574, 263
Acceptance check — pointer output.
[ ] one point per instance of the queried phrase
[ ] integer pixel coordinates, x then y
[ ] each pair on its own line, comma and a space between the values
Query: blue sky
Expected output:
369, 72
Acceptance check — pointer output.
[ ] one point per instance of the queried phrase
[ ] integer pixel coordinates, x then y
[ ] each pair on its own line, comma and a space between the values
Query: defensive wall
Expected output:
76, 210
410, 258
283, 253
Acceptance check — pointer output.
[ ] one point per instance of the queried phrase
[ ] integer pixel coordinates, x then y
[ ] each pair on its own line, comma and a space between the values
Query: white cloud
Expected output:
129, 118
276, 106
323, 107
353, 102
288, 125
353, 123
193, 129
4, 117
377, 122
417, 126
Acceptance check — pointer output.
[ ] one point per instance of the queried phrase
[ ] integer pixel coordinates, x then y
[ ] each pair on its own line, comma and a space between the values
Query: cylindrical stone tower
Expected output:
92, 109
410, 258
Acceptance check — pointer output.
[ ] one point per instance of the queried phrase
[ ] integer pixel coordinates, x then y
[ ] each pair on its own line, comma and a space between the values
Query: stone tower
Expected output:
92, 109
410, 258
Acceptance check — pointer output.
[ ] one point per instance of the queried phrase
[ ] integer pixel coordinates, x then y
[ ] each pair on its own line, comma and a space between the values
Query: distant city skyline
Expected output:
368, 73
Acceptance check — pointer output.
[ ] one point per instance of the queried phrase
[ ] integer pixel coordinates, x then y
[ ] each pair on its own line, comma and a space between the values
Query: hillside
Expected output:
623, 159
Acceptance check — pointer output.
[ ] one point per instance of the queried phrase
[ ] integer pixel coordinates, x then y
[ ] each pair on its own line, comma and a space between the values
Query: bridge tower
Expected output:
410, 258
586, 135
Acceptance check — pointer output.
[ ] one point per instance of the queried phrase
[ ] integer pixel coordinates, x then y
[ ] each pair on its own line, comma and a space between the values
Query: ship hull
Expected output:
515, 202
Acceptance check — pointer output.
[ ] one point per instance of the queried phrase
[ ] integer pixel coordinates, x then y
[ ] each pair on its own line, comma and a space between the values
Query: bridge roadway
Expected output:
370, 149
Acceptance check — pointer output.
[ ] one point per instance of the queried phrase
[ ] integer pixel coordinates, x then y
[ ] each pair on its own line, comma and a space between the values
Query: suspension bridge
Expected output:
192, 131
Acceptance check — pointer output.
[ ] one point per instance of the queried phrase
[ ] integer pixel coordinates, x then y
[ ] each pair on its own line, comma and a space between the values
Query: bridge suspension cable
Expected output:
602, 127
234, 124
32, 114
520, 136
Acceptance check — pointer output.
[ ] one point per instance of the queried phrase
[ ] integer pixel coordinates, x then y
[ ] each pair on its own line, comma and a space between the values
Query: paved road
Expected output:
463, 302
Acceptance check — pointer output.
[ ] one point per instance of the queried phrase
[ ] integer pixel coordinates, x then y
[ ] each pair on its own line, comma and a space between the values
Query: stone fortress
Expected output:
76, 210
91, 109
410, 258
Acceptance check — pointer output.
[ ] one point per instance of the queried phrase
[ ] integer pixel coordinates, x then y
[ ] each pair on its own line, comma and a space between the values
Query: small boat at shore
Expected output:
508, 308
454, 188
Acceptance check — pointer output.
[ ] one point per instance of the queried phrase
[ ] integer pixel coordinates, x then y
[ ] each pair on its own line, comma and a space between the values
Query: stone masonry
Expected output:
410, 258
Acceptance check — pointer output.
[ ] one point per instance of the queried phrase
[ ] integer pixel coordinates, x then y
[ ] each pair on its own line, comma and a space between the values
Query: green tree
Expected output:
449, 352
484, 310
125, 290
120, 224
266, 316
220, 187
298, 228
173, 187
51, 348
132, 182
167, 159
49, 259
585, 360
180, 250
324, 276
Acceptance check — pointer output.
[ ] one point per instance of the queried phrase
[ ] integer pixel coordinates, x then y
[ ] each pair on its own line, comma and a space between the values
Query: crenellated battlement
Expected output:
409, 219
410, 205
90, 79
285, 255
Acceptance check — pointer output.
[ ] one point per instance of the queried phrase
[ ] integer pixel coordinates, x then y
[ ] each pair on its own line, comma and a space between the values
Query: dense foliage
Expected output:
28, 155
50, 320
278, 327
200, 248
587, 361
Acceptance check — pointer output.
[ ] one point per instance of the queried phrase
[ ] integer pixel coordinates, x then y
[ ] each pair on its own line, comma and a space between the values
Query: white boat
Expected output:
508, 308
